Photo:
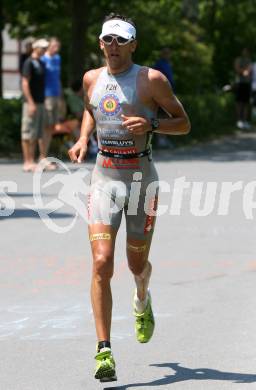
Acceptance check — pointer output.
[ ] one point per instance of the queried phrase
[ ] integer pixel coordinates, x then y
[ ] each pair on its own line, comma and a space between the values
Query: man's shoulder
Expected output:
152, 74
27, 66
28, 61
91, 75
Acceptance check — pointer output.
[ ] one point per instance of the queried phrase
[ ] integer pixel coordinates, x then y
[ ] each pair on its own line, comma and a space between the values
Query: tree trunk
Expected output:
213, 9
78, 43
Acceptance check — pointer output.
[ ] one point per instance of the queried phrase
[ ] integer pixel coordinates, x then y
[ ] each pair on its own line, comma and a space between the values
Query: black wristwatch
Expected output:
154, 124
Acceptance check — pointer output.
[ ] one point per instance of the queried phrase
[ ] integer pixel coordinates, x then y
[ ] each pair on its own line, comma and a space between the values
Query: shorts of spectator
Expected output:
52, 109
32, 127
243, 92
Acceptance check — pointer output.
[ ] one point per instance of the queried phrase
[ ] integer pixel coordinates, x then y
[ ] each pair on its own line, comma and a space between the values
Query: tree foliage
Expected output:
205, 35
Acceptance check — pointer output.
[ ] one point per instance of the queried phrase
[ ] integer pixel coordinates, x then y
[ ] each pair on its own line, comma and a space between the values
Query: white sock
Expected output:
140, 306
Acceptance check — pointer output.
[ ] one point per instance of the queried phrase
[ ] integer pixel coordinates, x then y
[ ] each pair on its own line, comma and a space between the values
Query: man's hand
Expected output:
31, 109
136, 124
78, 151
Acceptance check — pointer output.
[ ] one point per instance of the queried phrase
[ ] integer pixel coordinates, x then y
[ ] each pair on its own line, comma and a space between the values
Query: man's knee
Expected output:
141, 269
103, 266
137, 266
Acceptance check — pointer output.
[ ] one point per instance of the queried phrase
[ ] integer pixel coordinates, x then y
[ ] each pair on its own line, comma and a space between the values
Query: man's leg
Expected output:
26, 154
140, 228
102, 238
46, 141
246, 111
239, 115
137, 254
27, 139
44, 138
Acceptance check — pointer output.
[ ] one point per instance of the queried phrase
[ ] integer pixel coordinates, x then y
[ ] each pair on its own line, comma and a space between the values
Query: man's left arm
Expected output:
161, 91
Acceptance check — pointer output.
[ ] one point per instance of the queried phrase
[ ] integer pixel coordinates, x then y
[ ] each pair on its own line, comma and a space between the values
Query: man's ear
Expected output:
133, 46
101, 44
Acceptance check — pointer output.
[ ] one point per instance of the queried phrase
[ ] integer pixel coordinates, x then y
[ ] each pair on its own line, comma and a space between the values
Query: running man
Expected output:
121, 102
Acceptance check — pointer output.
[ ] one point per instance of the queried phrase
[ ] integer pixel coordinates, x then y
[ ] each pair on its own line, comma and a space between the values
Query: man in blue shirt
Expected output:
164, 65
52, 63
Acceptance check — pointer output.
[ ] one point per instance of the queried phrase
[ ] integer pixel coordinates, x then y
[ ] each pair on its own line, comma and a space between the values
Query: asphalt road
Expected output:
203, 282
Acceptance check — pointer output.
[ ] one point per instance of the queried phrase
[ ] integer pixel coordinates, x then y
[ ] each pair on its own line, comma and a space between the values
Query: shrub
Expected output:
10, 122
211, 115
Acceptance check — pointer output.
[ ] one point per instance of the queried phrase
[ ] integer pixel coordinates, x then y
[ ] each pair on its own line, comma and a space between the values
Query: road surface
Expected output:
203, 282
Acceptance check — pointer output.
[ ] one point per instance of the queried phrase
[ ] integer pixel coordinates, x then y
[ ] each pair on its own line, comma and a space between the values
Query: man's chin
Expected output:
116, 61
115, 64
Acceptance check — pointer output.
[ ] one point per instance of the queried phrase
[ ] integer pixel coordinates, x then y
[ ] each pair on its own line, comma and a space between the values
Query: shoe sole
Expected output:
108, 379
107, 376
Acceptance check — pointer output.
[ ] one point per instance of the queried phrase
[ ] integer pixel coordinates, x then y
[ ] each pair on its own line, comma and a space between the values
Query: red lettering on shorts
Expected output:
121, 163
151, 215
107, 163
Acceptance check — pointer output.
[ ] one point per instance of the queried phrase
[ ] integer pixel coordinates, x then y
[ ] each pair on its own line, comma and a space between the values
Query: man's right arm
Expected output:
78, 151
26, 74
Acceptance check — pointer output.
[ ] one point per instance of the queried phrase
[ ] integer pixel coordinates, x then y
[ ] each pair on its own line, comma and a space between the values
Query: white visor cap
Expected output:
118, 27
41, 43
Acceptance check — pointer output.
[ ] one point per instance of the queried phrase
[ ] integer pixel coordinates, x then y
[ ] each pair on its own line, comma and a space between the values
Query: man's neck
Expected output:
121, 69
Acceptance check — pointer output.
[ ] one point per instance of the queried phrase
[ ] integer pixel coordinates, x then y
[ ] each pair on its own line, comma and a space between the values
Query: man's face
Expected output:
118, 55
40, 51
54, 47
166, 53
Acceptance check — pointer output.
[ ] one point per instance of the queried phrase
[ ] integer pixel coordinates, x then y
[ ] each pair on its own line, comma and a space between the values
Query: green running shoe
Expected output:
144, 323
105, 366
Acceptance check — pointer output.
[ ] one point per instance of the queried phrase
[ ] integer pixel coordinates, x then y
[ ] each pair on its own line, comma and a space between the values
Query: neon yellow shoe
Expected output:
105, 366
144, 323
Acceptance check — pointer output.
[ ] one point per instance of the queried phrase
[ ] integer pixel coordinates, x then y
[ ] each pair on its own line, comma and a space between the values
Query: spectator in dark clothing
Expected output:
33, 77
25, 55
243, 69
164, 66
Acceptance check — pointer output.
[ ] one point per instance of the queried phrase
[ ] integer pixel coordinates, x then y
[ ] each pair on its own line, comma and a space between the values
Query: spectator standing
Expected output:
164, 66
26, 54
75, 104
32, 81
254, 91
243, 69
52, 61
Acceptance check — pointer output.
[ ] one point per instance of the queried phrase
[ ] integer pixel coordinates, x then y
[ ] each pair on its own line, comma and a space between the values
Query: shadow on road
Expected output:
238, 147
182, 374
23, 213
20, 194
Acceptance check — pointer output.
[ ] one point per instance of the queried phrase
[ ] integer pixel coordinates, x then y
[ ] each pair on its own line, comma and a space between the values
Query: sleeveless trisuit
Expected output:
129, 183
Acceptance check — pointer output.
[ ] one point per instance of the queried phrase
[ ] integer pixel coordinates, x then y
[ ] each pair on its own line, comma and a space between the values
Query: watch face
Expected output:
154, 123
